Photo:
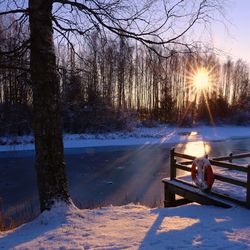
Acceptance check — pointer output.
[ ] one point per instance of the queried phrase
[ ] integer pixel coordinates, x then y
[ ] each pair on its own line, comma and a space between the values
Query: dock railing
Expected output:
218, 162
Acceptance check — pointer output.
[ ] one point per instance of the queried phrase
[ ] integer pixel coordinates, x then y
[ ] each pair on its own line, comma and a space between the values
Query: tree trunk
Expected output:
50, 166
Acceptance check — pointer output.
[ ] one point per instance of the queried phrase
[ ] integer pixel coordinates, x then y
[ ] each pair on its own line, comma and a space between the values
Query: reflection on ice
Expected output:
193, 133
196, 148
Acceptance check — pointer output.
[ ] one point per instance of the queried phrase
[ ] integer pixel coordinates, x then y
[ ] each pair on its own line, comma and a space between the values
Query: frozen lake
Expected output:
103, 175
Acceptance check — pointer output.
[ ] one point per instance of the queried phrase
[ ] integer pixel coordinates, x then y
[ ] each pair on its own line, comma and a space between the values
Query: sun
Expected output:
201, 79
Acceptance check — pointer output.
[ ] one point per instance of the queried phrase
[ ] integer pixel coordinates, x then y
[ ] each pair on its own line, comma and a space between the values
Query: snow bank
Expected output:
134, 227
158, 135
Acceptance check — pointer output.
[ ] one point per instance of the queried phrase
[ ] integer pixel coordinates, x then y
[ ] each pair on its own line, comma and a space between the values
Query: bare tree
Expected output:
153, 23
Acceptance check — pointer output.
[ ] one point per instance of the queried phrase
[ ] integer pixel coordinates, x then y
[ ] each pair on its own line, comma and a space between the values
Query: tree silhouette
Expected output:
153, 23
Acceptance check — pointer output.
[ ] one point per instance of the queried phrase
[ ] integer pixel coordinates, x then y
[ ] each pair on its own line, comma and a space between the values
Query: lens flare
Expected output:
201, 79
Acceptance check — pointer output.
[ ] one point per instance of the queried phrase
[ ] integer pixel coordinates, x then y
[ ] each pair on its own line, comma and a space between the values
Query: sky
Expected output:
235, 39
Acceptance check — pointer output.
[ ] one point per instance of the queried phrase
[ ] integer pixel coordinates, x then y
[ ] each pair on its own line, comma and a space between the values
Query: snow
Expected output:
133, 227
158, 135
224, 188
227, 189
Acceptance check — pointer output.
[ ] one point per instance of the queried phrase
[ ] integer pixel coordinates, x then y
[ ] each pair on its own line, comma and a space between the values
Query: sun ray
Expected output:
198, 74
185, 113
201, 83
209, 110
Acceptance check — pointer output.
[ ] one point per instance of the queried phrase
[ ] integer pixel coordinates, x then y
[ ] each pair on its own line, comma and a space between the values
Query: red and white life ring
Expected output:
202, 174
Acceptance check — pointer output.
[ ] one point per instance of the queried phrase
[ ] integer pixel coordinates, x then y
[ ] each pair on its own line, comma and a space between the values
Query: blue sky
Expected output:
236, 40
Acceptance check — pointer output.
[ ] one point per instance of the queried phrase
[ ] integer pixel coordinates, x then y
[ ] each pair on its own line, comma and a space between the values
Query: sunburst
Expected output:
201, 81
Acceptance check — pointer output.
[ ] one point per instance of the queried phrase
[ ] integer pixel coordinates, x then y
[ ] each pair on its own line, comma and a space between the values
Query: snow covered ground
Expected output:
134, 227
160, 134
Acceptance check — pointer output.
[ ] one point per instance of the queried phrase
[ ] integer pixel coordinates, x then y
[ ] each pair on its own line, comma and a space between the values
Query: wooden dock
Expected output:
175, 186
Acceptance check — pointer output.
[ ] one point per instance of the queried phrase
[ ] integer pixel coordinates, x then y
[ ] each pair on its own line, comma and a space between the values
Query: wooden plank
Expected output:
231, 166
189, 157
219, 195
229, 198
217, 177
182, 167
195, 195
237, 156
227, 165
177, 203
186, 162
216, 163
230, 180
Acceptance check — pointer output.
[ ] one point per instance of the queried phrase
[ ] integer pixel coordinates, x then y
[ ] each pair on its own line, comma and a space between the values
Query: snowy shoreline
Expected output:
133, 227
140, 136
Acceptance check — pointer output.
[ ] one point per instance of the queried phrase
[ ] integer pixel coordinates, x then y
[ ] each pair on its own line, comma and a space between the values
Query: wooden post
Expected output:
230, 159
248, 186
169, 197
172, 165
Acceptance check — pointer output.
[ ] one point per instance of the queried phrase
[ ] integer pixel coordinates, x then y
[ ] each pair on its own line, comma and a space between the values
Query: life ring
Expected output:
202, 174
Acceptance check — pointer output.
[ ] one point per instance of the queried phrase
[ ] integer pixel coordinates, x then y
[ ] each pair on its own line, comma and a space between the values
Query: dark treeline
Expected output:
110, 84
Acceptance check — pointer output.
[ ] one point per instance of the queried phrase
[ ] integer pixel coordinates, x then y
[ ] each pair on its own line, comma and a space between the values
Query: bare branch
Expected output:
17, 50
17, 11
156, 35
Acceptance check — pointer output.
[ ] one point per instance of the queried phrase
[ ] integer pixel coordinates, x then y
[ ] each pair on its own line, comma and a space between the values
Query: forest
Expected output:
113, 100
111, 82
